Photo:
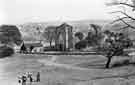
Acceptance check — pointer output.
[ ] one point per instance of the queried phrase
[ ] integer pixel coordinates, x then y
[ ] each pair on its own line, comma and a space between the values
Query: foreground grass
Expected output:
65, 70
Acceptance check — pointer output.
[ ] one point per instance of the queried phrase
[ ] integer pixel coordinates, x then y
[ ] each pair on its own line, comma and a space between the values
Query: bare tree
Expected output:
49, 34
125, 15
38, 29
94, 37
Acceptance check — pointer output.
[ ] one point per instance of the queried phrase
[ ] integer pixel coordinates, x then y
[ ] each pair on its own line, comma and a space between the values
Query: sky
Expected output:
22, 11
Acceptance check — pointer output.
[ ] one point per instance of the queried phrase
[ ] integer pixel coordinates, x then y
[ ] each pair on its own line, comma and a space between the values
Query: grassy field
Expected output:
65, 70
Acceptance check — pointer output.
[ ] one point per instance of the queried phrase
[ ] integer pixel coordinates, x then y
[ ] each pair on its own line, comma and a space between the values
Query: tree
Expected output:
10, 34
126, 15
89, 38
96, 28
39, 33
49, 34
115, 45
94, 37
107, 32
79, 35
81, 44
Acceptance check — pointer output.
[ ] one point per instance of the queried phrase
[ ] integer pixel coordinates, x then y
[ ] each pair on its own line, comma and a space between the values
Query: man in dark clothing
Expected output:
38, 77
23, 49
31, 48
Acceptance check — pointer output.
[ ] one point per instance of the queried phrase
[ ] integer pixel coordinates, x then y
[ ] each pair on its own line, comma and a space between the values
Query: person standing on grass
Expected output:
38, 77
19, 79
31, 48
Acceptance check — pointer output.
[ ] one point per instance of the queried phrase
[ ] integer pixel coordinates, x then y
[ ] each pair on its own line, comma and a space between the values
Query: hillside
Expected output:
29, 31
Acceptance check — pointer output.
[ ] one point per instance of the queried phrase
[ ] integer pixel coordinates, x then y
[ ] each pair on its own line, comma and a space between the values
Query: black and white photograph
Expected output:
67, 42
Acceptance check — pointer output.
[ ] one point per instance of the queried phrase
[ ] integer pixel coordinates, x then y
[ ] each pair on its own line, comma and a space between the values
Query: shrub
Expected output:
6, 51
81, 44
52, 48
79, 35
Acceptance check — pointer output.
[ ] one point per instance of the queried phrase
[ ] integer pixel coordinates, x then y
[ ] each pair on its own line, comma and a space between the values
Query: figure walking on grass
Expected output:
38, 77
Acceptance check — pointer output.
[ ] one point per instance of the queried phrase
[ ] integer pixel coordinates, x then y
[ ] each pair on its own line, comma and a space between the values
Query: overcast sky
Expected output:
21, 11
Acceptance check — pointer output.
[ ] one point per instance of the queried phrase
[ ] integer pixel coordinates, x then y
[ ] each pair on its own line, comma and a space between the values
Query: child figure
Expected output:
19, 79
30, 78
24, 79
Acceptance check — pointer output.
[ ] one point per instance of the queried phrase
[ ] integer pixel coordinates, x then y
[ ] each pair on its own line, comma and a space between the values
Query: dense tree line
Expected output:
9, 36
113, 45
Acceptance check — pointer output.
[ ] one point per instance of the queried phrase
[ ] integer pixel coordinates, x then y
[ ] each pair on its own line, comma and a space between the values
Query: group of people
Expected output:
28, 77
24, 49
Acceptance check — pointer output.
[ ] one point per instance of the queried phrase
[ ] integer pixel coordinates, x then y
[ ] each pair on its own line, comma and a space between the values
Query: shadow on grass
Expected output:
101, 64
122, 63
90, 65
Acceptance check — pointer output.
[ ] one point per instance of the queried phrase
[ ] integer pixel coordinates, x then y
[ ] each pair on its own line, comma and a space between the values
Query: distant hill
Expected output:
117, 27
29, 32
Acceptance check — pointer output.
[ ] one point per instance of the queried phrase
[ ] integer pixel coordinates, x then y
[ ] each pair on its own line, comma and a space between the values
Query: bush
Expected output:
6, 51
81, 44
52, 48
